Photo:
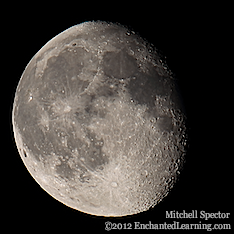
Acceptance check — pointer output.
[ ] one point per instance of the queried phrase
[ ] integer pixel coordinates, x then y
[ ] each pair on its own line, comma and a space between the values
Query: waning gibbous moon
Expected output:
98, 121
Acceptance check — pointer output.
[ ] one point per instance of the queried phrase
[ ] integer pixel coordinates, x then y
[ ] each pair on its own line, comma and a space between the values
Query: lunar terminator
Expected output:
98, 121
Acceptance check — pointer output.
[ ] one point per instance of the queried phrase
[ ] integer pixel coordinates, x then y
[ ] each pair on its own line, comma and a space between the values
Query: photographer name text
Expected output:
194, 214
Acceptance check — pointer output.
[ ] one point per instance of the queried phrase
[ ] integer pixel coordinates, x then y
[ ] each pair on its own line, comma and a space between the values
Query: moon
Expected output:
99, 122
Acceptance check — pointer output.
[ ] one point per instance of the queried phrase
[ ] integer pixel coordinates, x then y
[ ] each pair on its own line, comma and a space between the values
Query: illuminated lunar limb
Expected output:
98, 121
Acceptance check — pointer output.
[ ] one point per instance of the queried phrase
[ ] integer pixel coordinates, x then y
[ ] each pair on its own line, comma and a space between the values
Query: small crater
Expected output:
25, 154
114, 184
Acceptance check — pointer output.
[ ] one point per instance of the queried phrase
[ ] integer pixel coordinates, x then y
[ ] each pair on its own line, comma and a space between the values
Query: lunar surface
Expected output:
98, 121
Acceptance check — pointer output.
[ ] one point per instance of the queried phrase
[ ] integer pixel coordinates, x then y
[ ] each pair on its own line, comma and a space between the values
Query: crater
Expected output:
24, 153
114, 184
